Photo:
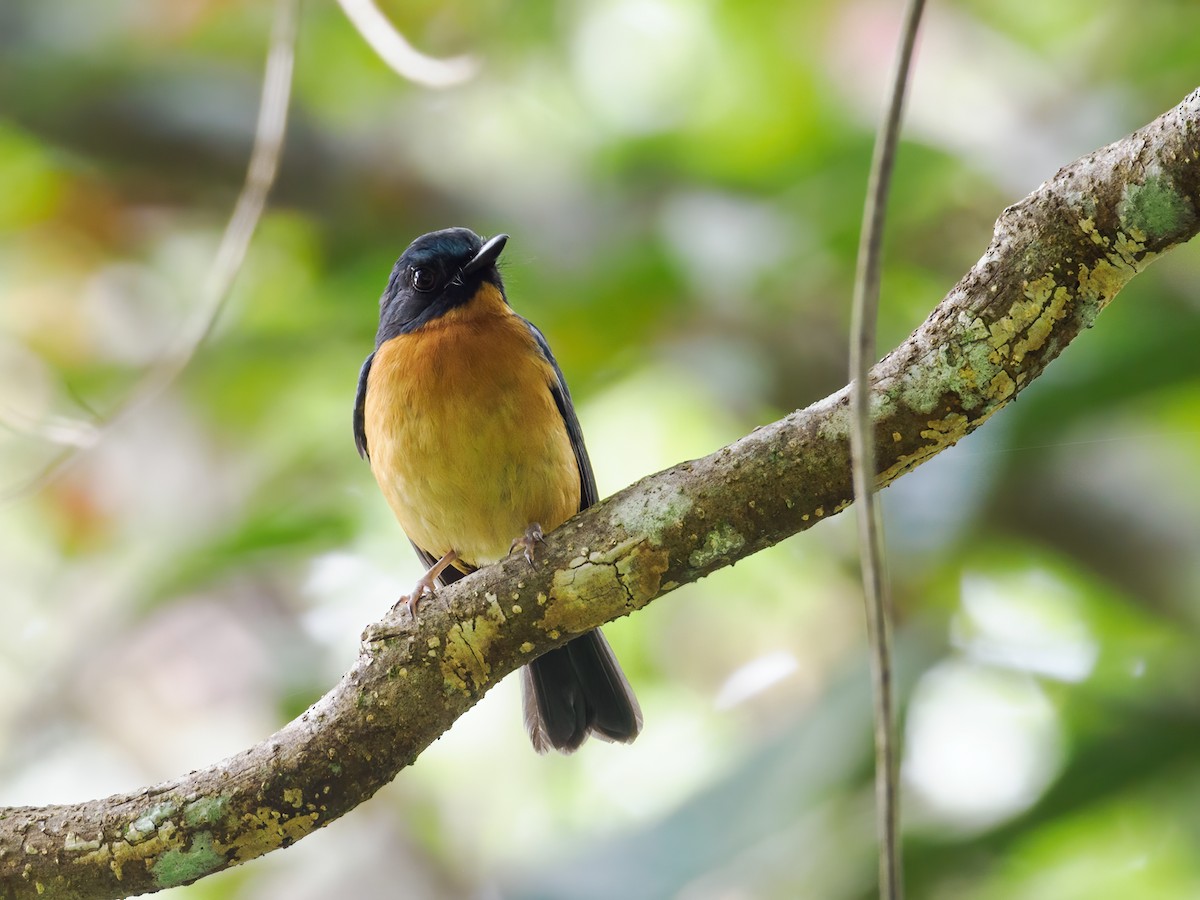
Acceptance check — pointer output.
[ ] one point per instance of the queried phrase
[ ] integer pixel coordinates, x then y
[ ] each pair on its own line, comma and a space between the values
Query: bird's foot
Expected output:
529, 541
425, 584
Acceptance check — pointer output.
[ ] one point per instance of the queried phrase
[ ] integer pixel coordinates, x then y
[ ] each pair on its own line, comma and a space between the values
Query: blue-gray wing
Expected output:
562, 399
360, 405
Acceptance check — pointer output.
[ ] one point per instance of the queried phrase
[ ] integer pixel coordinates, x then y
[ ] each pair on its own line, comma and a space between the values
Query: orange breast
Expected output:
465, 439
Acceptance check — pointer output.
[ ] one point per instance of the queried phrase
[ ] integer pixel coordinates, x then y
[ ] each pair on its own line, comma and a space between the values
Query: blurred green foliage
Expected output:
682, 180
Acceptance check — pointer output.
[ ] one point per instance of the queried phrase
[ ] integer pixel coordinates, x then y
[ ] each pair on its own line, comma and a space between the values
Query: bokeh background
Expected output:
682, 180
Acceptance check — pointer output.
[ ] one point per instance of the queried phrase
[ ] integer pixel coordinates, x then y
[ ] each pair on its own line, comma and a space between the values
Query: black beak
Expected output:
487, 254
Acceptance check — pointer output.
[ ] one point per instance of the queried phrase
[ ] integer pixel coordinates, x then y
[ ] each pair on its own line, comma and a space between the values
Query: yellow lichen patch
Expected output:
903, 464
103, 856
1102, 283
1022, 313
266, 830
294, 797
174, 855
599, 577
641, 572
947, 430
940, 433
1040, 329
464, 662
569, 590
969, 380
1128, 248
957, 427
150, 838
1027, 327
1001, 387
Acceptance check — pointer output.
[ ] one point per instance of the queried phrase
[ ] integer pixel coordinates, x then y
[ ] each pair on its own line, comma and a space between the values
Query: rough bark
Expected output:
1057, 258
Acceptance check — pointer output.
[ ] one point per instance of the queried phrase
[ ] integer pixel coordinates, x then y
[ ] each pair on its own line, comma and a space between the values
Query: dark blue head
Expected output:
438, 271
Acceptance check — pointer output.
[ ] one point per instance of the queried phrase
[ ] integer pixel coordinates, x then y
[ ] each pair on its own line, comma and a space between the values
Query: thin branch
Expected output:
1057, 259
260, 176
404, 59
862, 455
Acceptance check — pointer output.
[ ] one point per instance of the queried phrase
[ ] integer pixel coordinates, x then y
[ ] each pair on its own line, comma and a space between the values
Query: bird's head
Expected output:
438, 272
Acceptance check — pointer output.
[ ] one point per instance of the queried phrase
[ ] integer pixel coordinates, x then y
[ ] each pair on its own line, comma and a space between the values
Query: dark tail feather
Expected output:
579, 690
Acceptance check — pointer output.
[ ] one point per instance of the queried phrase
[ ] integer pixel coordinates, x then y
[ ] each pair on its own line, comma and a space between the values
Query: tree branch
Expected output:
1057, 258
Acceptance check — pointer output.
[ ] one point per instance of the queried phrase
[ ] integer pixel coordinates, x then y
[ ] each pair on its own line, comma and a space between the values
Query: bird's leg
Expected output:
529, 541
426, 583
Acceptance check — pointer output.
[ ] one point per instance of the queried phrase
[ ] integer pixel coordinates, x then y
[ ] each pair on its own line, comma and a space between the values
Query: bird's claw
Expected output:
424, 586
529, 541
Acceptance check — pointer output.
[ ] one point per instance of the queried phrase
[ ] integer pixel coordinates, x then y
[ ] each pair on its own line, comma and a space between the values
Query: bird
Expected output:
465, 418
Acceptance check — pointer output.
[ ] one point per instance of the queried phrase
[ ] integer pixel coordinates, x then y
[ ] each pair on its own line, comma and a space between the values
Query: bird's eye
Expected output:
424, 279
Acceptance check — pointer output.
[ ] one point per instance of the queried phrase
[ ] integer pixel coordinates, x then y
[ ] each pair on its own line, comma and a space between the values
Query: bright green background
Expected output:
683, 183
